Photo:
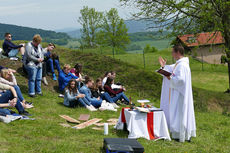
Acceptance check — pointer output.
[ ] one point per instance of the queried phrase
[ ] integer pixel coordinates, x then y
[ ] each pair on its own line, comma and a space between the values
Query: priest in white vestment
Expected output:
177, 98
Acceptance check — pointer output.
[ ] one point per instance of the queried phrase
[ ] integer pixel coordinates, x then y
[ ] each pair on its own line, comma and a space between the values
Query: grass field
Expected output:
46, 135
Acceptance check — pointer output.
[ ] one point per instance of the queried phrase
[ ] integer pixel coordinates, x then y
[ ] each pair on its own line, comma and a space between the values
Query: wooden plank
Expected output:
87, 123
97, 128
113, 120
84, 117
69, 119
65, 125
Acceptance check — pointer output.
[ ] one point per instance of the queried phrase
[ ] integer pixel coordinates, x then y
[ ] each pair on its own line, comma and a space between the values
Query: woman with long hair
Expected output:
115, 94
72, 97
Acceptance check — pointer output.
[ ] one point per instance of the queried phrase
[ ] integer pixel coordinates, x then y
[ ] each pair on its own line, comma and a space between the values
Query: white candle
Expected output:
106, 128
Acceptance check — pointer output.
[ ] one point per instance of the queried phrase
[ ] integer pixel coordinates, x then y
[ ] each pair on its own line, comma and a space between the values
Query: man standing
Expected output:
10, 49
178, 90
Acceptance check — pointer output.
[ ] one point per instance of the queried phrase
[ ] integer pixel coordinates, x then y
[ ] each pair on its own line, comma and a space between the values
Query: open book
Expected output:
163, 72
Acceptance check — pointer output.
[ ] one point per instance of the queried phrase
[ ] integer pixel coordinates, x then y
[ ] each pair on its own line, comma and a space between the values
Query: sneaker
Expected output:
44, 81
115, 105
90, 108
33, 96
54, 77
29, 103
61, 95
13, 58
93, 108
25, 113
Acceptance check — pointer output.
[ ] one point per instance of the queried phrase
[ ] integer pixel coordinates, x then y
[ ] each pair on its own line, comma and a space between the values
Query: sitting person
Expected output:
51, 60
77, 70
96, 102
65, 76
115, 94
10, 49
5, 112
8, 78
98, 91
114, 86
11, 95
107, 75
72, 97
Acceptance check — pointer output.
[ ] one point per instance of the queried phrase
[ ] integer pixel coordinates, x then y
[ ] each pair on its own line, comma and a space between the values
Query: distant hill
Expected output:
132, 25
26, 33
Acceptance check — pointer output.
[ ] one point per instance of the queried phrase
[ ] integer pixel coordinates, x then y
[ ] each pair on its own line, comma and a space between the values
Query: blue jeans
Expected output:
19, 93
13, 53
6, 96
83, 101
50, 65
4, 112
119, 97
107, 97
96, 103
34, 80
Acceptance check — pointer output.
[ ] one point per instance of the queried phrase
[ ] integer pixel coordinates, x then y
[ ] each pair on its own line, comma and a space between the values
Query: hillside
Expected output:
26, 33
46, 135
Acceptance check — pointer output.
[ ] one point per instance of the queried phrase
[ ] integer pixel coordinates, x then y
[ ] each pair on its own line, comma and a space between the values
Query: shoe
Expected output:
33, 96
115, 105
61, 95
28, 103
90, 108
93, 108
40, 94
54, 77
13, 58
25, 113
44, 81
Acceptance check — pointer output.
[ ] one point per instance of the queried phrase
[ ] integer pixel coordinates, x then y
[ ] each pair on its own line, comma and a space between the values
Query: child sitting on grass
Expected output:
72, 97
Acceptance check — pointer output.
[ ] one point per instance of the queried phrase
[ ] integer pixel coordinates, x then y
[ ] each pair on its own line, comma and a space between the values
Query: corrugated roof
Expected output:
208, 38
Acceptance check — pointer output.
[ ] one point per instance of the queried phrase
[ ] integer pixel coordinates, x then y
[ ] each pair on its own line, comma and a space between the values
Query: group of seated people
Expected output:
87, 93
10, 94
77, 89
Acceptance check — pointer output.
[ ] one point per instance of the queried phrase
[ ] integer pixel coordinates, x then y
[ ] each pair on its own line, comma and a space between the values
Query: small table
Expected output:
152, 125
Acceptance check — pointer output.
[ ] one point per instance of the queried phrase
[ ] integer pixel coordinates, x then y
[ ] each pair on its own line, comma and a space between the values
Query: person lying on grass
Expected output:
115, 94
73, 98
8, 78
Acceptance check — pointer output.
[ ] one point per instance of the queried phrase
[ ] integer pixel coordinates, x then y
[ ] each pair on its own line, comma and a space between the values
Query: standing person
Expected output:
181, 110
33, 64
10, 49
48, 64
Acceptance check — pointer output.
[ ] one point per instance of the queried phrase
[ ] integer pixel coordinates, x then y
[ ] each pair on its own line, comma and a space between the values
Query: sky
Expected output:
53, 14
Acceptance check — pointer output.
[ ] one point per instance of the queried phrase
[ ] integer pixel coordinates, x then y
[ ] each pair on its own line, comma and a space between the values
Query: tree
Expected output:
188, 16
115, 31
91, 21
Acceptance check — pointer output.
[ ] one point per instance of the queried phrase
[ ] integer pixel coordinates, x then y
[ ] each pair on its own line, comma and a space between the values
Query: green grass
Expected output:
46, 135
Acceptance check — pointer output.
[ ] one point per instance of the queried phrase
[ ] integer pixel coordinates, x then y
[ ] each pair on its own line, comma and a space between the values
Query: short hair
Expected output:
37, 38
66, 66
178, 48
51, 44
6, 34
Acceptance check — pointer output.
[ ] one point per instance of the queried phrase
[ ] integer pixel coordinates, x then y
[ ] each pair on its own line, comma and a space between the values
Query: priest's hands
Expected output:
162, 61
